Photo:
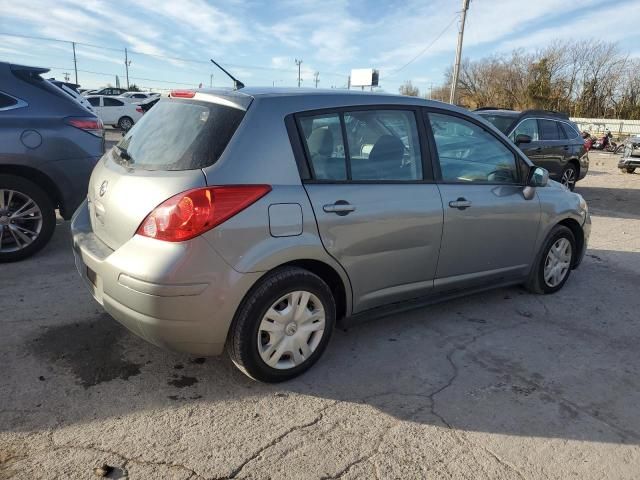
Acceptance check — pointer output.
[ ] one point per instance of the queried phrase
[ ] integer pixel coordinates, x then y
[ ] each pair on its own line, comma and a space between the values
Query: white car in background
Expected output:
137, 97
115, 111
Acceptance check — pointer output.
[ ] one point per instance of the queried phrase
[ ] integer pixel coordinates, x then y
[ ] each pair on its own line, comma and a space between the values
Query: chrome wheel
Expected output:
20, 220
558, 262
569, 178
291, 330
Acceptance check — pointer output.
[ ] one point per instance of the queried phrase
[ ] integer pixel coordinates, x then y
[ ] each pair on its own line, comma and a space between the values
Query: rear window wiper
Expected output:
124, 155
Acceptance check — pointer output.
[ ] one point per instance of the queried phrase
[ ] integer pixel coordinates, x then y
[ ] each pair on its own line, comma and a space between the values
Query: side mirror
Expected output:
522, 138
538, 177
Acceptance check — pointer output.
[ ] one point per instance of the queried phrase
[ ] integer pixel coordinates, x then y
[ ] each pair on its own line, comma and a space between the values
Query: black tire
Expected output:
44, 203
570, 171
630, 169
536, 282
242, 343
125, 123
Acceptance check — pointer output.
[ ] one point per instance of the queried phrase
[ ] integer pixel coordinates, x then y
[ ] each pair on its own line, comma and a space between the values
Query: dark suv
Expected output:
49, 144
548, 138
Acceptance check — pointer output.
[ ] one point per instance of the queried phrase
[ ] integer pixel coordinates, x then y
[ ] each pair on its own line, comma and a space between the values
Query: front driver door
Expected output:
489, 227
376, 213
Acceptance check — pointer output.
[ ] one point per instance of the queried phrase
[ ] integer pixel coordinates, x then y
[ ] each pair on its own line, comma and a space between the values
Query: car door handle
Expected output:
461, 203
341, 207
566, 147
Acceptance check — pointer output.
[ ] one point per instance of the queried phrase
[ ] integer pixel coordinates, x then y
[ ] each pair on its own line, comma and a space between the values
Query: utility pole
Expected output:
456, 67
126, 65
66, 76
431, 91
298, 63
316, 79
211, 81
75, 64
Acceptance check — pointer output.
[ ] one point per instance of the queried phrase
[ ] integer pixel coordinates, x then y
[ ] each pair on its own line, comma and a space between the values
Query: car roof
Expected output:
498, 111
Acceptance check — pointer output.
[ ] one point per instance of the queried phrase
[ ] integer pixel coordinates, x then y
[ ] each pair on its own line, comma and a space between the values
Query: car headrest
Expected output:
320, 142
387, 149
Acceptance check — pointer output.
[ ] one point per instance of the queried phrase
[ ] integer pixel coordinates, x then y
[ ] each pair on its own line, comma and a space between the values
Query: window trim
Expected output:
560, 120
305, 166
19, 103
521, 182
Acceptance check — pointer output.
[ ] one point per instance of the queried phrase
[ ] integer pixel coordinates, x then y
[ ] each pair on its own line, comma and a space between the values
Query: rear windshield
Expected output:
180, 135
501, 122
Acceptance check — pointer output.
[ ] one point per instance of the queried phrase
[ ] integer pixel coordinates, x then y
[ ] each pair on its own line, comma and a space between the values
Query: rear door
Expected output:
114, 109
535, 149
555, 147
378, 211
489, 227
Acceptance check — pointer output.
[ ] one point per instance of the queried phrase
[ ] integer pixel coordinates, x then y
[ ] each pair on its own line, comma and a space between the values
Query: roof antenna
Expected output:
237, 84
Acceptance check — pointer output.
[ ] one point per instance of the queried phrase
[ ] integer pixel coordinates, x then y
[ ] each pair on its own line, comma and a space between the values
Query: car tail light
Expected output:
139, 109
92, 125
194, 212
183, 93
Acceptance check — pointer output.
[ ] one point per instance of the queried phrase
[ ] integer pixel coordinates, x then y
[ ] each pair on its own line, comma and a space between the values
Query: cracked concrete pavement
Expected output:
498, 385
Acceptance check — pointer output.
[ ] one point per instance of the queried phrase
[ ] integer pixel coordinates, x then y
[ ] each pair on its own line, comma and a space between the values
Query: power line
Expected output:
156, 55
426, 48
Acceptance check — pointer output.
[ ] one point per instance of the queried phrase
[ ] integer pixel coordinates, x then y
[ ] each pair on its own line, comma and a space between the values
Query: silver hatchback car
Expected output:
255, 220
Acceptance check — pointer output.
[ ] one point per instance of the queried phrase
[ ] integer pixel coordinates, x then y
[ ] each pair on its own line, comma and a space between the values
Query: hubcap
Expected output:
20, 220
569, 177
291, 330
557, 263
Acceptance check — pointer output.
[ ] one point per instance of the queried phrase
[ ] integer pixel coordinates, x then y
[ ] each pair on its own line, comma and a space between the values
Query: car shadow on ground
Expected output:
508, 362
616, 202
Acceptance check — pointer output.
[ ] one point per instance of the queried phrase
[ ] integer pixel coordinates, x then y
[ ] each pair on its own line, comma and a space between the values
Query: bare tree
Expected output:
408, 89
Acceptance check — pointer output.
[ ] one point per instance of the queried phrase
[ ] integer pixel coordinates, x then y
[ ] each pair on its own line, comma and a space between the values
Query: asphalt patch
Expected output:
91, 350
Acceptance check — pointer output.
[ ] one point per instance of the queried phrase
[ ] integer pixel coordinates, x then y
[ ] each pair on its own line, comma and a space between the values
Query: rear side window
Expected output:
6, 101
570, 131
549, 130
323, 136
94, 101
181, 135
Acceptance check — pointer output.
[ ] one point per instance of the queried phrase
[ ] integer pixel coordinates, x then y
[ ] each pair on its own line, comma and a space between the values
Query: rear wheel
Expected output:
554, 264
27, 218
631, 169
569, 176
283, 326
125, 123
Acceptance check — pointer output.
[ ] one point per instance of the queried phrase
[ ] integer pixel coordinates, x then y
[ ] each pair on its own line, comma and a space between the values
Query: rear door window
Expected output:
94, 101
548, 130
180, 135
380, 145
112, 102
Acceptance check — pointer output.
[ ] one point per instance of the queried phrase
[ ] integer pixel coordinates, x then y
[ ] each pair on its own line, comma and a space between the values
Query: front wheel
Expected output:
569, 176
631, 169
283, 325
554, 264
27, 218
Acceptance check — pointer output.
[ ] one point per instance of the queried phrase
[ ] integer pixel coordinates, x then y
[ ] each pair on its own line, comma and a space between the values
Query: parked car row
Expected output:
115, 111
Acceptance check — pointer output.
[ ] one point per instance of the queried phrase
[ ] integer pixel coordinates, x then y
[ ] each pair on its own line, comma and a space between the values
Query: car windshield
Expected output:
501, 122
180, 135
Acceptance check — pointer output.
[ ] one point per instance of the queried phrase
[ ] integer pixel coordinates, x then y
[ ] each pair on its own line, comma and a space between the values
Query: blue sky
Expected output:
259, 40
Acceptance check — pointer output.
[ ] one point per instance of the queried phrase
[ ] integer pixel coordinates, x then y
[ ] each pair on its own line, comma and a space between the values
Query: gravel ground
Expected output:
499, 385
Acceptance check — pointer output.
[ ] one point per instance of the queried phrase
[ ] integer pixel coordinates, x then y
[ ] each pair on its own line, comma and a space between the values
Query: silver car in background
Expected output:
255, 220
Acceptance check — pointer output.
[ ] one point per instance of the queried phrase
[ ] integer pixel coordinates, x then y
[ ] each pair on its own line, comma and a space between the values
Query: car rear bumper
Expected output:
181, 296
